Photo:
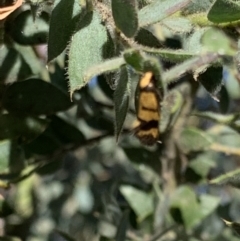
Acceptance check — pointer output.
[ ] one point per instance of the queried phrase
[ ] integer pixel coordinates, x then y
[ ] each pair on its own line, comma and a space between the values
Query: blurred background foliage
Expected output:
70, 165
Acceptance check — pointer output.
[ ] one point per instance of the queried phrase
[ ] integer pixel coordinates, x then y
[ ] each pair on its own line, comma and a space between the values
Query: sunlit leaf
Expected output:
144, 206
214, 40
193, 139
85, 51
26, 31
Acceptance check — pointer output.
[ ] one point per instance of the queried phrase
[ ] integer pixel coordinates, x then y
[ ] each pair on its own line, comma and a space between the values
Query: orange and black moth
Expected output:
146, 127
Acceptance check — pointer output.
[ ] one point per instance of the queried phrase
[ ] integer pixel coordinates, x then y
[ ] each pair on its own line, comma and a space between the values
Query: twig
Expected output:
225, 149
161, 233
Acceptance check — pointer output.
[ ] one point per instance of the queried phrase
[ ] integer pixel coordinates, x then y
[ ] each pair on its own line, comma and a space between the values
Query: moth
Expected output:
146, 127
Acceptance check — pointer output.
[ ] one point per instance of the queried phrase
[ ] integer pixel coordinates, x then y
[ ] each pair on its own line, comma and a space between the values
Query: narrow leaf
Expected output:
125, 16
159, 10
188, 65
121, 100
104, 67
231, 178
219, 118
174, 56
234, 225
85, 51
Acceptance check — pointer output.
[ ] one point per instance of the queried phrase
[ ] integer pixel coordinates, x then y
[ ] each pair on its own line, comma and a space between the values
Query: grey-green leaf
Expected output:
86, 50
125, 16
159, 10
121, 100
214, 40
107, 66
193, 139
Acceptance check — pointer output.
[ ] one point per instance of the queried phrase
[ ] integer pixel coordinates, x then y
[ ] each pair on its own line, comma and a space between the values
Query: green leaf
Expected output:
32, 97
63, 21
144, 205
148, 15
223, 11
202, 164
12, 66
197, 7
45, 144
214, 40
174, 56
212, 81
208, 204
146, 38
178, 25
24, 30
11, 157
185, 200
189, 65
66, 132
85, 51
231, 178
192, 42
25, 127
125, 16
121, 100
193, 139
104, 67
219, 118
134, 58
